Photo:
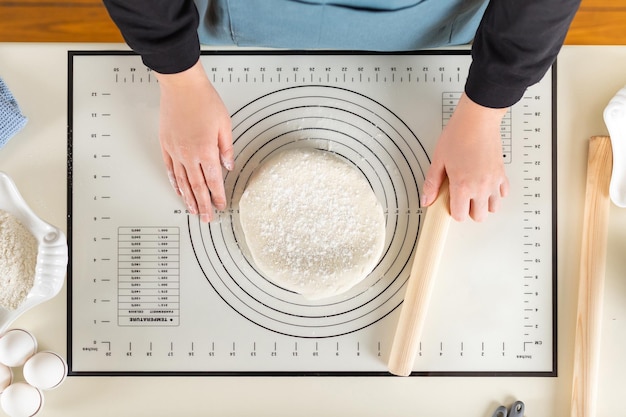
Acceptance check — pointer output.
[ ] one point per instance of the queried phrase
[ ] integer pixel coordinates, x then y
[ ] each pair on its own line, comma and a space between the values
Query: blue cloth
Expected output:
11, 118
383, 25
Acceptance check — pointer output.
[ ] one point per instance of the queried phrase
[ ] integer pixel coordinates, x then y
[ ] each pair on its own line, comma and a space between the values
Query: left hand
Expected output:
469, 153
196, 139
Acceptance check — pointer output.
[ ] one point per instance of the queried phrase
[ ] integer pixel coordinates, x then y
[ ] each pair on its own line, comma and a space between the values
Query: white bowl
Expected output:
51, 257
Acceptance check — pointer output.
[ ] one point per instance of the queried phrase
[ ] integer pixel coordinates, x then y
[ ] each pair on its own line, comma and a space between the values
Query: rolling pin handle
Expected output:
420, 284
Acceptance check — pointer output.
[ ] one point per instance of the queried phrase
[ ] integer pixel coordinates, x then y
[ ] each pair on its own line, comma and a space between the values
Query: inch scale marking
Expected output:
196, 304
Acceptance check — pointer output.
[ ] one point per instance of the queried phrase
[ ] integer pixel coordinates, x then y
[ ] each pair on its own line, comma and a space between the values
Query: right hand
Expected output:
196, 139
469, 153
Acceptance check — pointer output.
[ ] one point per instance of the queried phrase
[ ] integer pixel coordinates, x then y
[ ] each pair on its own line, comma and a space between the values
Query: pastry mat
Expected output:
152, 291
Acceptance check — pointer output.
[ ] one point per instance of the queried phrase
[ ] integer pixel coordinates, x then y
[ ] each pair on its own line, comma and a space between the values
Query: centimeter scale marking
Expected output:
321, 74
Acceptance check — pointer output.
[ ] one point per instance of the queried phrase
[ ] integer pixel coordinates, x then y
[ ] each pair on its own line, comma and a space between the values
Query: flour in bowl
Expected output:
312, 223
18, 259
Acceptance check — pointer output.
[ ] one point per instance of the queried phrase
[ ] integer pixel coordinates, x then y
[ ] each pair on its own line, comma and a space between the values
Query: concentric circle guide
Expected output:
367, 135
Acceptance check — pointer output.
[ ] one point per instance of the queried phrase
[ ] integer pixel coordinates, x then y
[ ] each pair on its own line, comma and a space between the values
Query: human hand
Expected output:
196, 139
469, 153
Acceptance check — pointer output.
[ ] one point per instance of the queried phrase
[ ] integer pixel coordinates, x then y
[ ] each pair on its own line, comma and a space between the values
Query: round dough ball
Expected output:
312, 223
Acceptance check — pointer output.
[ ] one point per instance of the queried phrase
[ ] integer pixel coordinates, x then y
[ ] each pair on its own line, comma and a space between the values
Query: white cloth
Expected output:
615, 120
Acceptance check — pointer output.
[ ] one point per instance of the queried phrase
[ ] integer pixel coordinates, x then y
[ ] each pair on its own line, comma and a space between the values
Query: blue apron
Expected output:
383, 25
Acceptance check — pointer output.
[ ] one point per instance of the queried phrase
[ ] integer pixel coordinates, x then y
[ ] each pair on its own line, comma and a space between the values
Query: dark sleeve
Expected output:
515, 44
163, 32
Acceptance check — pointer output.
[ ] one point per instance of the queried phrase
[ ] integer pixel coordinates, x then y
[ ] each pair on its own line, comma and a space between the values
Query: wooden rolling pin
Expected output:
591, 280
420, 284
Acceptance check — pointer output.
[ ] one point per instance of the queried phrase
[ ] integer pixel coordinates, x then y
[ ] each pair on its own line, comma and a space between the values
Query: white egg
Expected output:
21, 400
16, 346
45, 370
6, 377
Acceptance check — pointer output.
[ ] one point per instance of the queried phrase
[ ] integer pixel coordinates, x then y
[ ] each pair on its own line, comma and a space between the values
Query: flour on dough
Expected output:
312, 223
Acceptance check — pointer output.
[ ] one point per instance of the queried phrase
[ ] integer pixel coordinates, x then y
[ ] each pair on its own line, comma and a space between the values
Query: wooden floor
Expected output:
598, 22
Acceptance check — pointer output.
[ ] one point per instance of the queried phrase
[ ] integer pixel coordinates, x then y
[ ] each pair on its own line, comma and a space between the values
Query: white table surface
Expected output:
588, 77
